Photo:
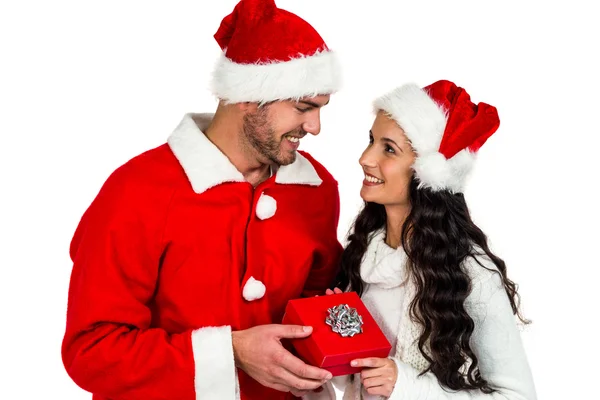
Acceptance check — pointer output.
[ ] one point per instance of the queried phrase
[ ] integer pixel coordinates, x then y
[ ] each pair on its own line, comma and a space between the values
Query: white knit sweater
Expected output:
495, 341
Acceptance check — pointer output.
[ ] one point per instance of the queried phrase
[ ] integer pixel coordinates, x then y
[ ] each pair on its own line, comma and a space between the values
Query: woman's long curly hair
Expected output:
437, 236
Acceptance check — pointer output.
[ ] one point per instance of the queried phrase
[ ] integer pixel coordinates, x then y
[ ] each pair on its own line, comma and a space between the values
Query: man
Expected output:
185, 261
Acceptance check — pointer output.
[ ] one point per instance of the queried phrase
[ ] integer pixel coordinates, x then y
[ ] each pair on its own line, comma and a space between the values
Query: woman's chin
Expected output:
366, 196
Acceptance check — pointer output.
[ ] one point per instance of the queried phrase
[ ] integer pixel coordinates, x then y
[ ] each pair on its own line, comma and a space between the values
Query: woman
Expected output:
420, 264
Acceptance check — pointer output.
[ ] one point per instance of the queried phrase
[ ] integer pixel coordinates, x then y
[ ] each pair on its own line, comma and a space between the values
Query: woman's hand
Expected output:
334, 291
378, 376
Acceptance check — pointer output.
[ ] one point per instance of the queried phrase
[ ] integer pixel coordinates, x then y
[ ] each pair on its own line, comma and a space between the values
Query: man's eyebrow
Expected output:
312, 103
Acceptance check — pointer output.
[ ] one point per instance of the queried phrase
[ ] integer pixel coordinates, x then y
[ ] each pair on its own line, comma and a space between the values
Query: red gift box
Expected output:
327, 349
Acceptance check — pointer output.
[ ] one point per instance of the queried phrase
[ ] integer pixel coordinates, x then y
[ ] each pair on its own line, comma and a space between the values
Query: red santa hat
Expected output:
445, 128
271, 54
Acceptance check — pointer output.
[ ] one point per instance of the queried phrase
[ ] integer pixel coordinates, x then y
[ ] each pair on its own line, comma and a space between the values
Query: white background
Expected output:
84, 86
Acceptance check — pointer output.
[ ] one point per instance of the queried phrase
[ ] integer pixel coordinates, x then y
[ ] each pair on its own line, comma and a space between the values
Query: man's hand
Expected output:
259, 353
378, 376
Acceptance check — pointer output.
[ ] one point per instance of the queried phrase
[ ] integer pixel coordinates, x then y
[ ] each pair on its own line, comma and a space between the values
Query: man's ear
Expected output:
247, 107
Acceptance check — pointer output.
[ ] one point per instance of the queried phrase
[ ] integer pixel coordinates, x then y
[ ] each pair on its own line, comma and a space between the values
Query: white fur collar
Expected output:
206, 166
382, 264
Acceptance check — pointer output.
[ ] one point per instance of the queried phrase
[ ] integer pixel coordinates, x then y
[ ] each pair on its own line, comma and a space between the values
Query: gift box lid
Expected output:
326, 348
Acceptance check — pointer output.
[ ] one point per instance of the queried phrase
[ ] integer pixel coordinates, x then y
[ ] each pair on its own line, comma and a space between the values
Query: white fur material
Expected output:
215, 376
305, 76
206, 166
424, 122
300, 172
438, 173
266, 206
253, 289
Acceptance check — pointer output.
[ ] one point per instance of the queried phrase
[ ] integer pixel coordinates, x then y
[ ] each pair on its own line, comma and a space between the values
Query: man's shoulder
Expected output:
150, 165
154, 170
135, 195
323, 173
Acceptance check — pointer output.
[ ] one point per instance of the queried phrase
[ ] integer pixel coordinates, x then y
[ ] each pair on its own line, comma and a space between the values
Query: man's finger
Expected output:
279, 387
293, 331
297, 383
302, 370
372, 362
298, 393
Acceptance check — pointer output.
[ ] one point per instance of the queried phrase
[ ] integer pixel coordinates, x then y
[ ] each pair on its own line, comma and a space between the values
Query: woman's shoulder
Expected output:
484, 275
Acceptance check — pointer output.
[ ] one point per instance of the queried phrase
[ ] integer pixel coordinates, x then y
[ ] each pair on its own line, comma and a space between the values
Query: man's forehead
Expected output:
315, 101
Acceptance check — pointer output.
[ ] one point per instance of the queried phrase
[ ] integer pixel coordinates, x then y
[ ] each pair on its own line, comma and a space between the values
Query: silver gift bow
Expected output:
344, 320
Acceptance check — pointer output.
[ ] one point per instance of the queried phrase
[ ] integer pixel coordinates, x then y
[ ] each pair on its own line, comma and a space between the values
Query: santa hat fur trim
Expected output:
446, 152
304, 76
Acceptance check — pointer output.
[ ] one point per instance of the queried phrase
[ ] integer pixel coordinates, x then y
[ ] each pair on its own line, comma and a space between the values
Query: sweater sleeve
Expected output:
495, 341
109, 347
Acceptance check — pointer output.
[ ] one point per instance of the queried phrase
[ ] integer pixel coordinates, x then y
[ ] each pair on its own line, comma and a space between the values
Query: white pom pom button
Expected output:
265, 207
253, 289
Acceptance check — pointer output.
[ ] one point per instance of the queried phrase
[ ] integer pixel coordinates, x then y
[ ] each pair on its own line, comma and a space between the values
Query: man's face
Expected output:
274, 130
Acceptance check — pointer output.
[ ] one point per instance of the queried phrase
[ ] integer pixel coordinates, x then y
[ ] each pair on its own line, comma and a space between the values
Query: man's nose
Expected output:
313, 123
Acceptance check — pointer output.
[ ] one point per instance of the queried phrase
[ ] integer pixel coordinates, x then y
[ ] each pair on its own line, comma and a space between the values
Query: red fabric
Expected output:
469, 125
327, 349
259, 32
152, 261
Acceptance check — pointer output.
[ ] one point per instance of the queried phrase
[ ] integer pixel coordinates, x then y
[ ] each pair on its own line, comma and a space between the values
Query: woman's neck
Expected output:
395, 217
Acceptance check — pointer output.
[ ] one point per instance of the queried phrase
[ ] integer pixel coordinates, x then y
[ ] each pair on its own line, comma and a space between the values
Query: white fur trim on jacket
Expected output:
305, 76
216, 376
300, 172
206, 166
424, 122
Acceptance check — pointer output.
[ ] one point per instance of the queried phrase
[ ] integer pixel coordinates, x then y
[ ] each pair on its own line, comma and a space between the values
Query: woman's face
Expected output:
387, 163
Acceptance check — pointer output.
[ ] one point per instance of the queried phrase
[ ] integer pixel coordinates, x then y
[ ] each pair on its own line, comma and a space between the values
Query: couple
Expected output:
184, 262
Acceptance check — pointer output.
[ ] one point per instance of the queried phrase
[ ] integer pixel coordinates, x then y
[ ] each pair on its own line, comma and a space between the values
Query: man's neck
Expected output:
224, 132
258, 176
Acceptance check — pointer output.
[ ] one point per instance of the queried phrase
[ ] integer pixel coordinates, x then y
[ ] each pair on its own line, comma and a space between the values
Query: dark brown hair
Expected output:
438, 236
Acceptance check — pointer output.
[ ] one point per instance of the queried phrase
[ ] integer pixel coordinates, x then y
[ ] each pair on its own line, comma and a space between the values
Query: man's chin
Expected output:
287, 159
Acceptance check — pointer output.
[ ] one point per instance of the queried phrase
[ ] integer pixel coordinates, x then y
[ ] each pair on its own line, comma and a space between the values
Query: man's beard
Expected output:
261, 136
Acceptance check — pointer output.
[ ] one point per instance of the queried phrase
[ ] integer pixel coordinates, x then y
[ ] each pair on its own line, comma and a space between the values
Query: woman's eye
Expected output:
389, 149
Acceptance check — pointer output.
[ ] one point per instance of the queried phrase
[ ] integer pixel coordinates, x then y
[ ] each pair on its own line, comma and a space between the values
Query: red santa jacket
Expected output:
175, 252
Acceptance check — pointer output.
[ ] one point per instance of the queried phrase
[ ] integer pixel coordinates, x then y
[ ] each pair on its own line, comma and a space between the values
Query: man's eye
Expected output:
303, 110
